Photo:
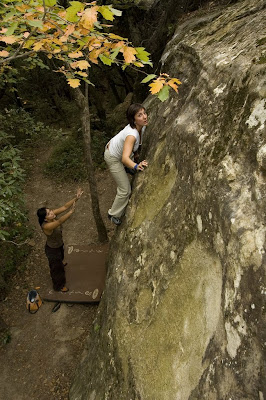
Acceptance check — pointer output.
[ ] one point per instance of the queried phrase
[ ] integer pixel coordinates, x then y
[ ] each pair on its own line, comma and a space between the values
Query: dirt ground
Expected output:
45, 348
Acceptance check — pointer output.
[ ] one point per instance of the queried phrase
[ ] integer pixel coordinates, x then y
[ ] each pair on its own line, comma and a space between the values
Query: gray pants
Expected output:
123, 192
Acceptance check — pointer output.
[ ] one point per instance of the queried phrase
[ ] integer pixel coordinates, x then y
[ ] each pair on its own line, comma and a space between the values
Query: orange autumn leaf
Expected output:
94, 54
77, 54
129, 54
138, 64
22, 8
62, 14
83, 64
84, 74
8, 39
177, 81
113, 36
74, 83
95, 43
57, 41
84, 32
38, 46
173, 85
74, 64
4, 53
63, 39
69, 30
119, 44
89, 17
156, 86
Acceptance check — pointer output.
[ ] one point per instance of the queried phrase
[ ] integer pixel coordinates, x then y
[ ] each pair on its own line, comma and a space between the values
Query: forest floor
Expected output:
45, 348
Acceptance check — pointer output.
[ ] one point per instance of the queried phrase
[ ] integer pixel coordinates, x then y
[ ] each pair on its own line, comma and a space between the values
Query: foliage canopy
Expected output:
76, 36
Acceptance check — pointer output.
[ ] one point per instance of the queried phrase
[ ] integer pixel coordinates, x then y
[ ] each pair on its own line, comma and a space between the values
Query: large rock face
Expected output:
183, 313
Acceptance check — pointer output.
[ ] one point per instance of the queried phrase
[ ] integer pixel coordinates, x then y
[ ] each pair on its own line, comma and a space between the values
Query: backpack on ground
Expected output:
34, 301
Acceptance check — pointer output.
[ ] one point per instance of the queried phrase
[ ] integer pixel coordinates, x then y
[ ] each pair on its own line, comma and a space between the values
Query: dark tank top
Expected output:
55, 240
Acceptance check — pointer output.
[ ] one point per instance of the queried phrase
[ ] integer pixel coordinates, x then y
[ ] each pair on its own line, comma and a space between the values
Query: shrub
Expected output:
12, 210
21, 127
67, 161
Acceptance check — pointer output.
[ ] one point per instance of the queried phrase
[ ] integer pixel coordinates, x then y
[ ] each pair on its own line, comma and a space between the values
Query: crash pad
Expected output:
85, 275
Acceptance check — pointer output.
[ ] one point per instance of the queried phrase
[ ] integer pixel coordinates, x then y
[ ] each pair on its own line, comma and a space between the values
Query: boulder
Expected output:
183, 312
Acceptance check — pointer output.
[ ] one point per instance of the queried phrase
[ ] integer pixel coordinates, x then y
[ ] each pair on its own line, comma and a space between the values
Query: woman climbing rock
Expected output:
119, 153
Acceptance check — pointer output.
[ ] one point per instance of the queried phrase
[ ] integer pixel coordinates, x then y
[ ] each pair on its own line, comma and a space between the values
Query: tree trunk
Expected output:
85, 123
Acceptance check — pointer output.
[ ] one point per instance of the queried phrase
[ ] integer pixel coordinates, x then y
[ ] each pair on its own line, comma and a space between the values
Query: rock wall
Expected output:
183, 312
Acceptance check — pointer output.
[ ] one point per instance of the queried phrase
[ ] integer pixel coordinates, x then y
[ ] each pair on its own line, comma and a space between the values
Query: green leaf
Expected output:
106, 13
88, 82
11, 29
142, 54
164, 93
116, 12
50, 3
36, 23
98, 25
148, 78
76, 4
71, 12
105, 60
9, 15
114, 53
83, 41
3, 235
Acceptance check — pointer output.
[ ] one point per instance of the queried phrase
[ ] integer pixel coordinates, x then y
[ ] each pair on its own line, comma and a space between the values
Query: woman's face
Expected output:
141, 118
50, 215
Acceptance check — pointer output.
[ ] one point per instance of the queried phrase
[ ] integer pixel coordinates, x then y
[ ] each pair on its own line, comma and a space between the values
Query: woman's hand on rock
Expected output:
142, 165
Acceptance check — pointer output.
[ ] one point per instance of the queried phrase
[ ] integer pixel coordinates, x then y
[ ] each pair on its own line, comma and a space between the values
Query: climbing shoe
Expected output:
115, 220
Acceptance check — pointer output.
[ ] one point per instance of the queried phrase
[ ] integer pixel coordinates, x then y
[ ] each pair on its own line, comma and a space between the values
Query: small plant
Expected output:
67, 161
21, 127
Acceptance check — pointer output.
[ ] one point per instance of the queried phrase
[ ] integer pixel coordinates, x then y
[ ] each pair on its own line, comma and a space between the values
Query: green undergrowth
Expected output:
20, 133
67, 162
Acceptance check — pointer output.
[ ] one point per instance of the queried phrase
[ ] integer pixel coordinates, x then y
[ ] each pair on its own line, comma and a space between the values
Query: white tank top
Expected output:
116, 144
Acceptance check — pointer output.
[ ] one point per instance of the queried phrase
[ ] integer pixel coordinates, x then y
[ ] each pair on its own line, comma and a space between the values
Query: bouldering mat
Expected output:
85, 275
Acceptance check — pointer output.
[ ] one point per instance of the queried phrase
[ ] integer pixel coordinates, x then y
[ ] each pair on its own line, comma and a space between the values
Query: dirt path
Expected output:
45, 348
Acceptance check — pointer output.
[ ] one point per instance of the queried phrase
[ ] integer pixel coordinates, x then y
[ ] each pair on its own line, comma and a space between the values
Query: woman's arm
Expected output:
69, 203
127, 151
50, 226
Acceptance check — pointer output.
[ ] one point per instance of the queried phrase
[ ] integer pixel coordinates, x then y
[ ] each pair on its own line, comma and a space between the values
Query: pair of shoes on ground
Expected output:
115, 220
